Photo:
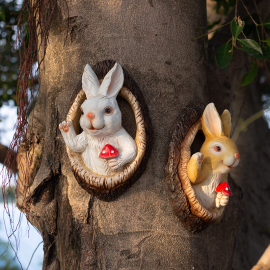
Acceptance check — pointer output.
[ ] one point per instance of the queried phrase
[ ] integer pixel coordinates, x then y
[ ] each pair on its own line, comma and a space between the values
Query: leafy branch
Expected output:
251, 47
260, 51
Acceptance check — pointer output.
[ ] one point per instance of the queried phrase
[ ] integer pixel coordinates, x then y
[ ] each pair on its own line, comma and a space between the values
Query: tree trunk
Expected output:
152, 40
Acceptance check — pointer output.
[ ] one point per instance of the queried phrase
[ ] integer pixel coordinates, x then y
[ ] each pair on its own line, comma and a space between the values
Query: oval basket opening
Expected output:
186, 139
101, 182
195, 206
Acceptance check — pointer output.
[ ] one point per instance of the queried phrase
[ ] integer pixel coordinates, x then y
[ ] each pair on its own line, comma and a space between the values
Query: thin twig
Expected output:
240, 112
33, 254
244, 35
211, 31
247, 122
235, 12
258, 35
249, 13
266, 66
260, 18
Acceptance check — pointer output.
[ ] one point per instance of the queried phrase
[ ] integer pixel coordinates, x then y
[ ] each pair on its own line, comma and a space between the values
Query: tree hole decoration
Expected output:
198, 183
104, 158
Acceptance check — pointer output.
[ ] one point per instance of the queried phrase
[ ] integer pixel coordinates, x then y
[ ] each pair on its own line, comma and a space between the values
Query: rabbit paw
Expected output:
198, 157
115, 163
194, 166
218, 198
196, 160
64, 126
224, 200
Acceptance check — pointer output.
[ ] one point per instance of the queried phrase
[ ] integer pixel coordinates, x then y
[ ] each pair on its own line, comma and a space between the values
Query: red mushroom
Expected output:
224, 188
108, 151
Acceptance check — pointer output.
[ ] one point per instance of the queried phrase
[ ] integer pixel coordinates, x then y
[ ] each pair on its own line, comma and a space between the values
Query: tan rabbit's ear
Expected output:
211, 122
226, 123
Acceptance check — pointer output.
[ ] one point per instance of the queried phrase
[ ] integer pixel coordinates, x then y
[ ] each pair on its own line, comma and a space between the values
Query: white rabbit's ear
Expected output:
226, 122
113, 82
90, 82
211, 122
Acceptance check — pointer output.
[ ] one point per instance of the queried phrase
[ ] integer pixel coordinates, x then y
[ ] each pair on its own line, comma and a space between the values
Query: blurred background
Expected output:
21, 244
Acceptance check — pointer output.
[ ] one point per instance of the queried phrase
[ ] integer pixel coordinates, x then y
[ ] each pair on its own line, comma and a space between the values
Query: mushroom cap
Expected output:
108, 151
224, 188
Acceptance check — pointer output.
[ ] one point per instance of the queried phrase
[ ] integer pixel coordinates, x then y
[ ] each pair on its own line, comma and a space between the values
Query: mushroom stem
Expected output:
218, 197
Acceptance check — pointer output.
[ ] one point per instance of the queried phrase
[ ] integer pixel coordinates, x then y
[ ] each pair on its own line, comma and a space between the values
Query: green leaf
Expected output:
266, 52
250, 76
223, 55
267, 23
2, 15
251, 47
267, 41
236, 29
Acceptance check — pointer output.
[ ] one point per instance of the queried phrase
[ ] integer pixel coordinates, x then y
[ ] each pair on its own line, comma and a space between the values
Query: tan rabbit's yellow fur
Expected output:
218, 155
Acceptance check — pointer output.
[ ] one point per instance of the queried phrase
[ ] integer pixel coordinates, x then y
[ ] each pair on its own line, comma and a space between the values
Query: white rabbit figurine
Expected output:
208, 168
101, 124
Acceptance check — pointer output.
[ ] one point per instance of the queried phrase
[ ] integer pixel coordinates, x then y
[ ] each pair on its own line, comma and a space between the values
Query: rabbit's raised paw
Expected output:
115, 163
65, 126
198, 157
224, 200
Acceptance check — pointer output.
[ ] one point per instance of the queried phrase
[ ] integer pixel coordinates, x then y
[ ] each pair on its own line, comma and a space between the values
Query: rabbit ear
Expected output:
90, 82
112, 82
226, 122
211, 122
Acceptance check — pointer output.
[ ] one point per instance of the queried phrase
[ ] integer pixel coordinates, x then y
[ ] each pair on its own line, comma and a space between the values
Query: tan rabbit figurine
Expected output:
218, 155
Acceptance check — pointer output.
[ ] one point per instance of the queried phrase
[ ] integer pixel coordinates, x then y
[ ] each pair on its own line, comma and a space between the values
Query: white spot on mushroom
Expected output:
112, 151
103, 152
226, 188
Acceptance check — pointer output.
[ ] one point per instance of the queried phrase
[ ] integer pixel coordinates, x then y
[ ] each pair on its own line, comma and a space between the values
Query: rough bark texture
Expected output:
138, 230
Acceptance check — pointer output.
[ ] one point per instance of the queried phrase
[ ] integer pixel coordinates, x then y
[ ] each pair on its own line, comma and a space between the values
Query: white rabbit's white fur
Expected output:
101, 124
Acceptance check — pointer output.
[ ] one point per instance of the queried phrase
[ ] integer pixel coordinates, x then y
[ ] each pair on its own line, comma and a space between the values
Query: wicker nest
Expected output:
108, 187
186, 206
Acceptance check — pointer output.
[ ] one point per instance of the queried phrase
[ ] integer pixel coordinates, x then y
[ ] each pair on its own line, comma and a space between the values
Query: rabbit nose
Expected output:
237, 155
90, 115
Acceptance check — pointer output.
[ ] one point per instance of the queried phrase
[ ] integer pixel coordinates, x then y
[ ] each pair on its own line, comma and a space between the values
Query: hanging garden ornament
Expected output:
104, 157
198, 182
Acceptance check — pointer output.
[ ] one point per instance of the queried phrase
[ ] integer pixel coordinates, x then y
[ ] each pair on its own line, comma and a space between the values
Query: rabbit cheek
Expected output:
236, 163
229, 161
85, 124
223, 169
113, 122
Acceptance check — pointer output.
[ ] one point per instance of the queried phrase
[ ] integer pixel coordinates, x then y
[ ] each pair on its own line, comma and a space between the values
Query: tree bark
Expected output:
152, 40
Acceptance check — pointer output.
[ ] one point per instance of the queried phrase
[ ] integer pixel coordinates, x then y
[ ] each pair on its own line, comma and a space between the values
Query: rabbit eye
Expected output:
108, 110
217, 148
82, 113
